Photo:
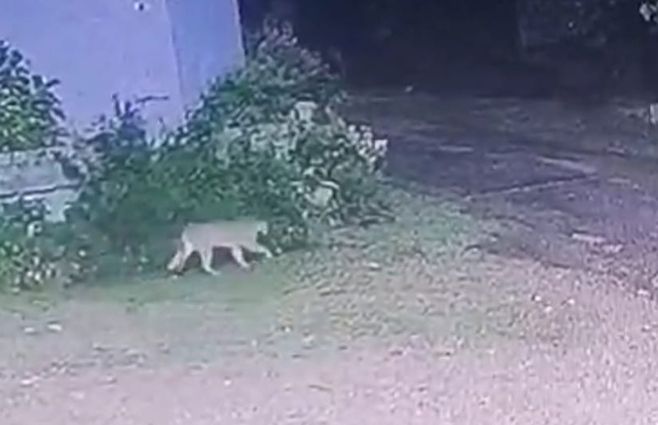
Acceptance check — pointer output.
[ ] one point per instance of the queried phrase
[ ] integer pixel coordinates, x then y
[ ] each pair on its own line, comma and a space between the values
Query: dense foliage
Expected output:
25, 262
265, 142
30, 111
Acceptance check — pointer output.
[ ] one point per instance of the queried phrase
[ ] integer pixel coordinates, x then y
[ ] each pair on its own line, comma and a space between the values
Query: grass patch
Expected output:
424, 226
383, 282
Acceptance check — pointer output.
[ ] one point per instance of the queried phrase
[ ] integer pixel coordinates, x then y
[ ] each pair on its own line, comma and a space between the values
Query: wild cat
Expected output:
204, 237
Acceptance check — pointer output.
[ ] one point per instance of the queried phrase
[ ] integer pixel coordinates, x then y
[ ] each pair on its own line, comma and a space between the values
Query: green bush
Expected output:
114, 166
265, 142
35, 252
281, 107
277, 74
25, 261
30, 112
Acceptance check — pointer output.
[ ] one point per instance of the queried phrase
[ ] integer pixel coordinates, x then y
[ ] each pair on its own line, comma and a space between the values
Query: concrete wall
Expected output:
133, 48
36, 175
207, 41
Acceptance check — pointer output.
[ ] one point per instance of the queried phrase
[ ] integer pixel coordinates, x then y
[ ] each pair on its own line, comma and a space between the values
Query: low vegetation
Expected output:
265, 142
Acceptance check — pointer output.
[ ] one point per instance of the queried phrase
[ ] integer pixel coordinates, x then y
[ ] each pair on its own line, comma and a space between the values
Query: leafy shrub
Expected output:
113, 165
281, 107
25, 262
35, 252
278, 73
30, 112
265, 142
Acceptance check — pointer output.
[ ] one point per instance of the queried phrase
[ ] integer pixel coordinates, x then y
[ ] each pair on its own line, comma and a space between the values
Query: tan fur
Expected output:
233, 235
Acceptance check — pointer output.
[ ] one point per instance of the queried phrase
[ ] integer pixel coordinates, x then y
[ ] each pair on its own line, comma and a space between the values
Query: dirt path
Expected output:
522, 318
555, 347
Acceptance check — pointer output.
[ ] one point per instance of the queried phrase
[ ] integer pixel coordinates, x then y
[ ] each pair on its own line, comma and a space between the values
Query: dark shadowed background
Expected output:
586, 48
